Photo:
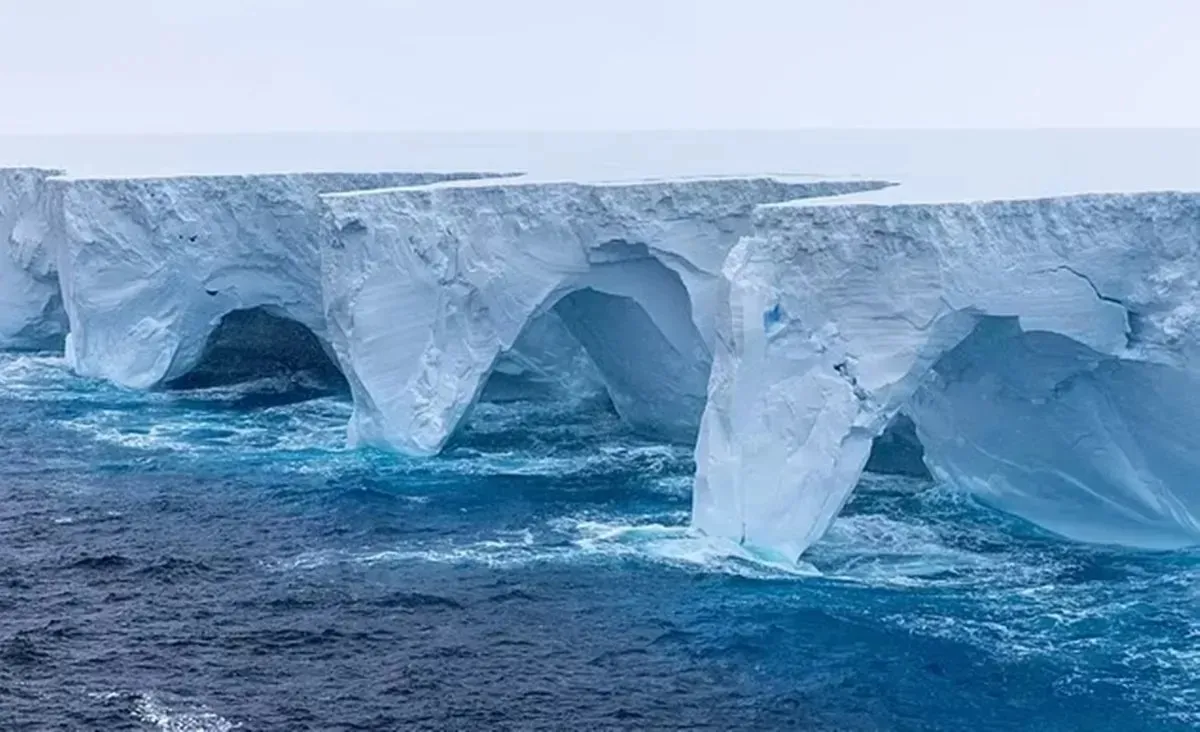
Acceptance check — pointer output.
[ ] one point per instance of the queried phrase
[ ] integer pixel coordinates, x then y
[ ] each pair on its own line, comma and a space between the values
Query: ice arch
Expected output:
1092, 447
149, 266
839, 315
427, 288
546, 363
650, 357
257, 343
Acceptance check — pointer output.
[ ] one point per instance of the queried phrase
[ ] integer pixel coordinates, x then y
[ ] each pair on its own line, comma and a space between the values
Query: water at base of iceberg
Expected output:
214, 560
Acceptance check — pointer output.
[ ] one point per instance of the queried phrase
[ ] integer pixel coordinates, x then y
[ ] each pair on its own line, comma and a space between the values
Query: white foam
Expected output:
651, 459
585, 538
151, 710
684, 548
157, 421
507, 549
878, 550
32, 375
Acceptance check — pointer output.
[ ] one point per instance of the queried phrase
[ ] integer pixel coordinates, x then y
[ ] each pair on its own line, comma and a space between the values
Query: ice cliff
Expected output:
150, 266
31, 314
1046, 349
428, 288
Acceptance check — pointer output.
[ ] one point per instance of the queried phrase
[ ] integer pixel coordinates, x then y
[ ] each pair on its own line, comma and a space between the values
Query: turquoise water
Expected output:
215, 559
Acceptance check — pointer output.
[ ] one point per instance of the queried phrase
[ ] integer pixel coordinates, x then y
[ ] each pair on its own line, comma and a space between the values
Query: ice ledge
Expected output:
849, 183
841, 313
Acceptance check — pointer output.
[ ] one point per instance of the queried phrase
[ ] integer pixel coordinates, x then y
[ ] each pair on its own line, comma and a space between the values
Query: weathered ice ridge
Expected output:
150, 266
1045, 349
426, 288
31, 314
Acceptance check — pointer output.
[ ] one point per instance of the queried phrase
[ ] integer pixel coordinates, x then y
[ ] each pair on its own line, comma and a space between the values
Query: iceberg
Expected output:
149, 267
428, 290
1045, 350
31, 313
1039, 353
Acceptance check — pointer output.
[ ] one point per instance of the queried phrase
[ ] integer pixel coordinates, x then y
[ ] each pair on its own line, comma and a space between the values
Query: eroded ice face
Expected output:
429, 288
1045, 350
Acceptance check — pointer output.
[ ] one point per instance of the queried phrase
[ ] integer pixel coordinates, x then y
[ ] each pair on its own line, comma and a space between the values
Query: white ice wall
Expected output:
149, 266
837, 313
427, 288
31, 314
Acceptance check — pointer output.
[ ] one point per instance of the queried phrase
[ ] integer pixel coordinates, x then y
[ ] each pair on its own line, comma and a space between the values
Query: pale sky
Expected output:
272, 65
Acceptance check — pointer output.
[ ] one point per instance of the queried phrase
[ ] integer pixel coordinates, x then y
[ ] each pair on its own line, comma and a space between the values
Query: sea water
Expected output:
216, 559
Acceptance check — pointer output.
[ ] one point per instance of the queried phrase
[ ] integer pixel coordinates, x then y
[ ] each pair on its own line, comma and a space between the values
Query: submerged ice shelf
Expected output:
1043, 351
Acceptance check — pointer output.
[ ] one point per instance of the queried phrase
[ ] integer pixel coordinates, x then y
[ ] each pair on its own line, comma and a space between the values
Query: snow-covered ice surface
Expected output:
31, 314
956, 163
427, 287
149, 266
1046, 349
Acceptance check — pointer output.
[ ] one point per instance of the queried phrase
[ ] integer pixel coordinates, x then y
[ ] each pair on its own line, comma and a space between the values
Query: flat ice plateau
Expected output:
1038, 328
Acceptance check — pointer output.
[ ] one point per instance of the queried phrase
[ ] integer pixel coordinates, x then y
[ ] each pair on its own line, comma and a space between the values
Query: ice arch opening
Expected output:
1090, 446
655, 390
427, 288
1000, 327
634, 320
898, 450
262, 343
149, 266
545, 364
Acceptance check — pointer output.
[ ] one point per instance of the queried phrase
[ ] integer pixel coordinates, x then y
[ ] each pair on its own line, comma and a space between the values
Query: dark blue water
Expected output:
213, 560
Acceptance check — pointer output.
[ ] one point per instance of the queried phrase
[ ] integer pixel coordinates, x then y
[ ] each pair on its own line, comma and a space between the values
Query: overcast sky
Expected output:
270, 65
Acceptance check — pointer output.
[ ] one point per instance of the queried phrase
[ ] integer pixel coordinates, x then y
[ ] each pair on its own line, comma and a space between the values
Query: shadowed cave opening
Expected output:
599, 350
654, 370
283, 360
546, 364
898, 451
625, 334
1087, 445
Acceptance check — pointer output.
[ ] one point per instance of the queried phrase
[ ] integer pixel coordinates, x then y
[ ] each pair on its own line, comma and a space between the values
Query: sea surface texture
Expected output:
214, 559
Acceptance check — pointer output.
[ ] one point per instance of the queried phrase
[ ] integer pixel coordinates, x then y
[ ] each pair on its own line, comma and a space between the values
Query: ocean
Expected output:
216, 559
